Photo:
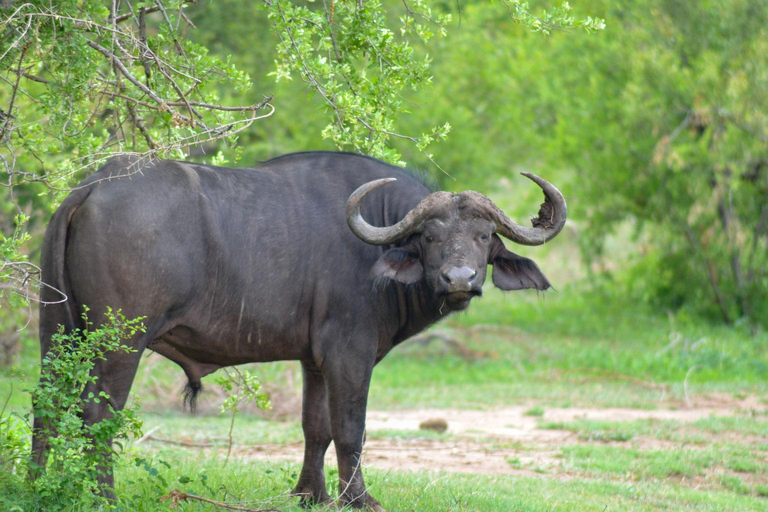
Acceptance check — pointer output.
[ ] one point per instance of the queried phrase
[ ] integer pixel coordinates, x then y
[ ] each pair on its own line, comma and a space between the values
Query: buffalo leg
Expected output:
41, 433
116, 376
52, 315
347, 383
317, 436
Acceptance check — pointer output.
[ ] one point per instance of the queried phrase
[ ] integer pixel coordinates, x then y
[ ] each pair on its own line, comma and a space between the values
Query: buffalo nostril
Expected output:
458, 278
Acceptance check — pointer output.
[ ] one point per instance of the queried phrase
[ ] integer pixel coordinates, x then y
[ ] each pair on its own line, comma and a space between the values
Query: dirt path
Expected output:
493, 441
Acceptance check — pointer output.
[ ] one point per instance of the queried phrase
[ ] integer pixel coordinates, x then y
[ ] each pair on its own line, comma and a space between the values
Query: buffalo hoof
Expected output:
310, 497
365, 502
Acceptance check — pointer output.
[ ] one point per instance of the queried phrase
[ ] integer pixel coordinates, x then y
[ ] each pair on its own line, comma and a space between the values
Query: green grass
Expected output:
741, 424
702, 431
575, 348
535, 411
549, 351
214, 429
658, 464
263, 485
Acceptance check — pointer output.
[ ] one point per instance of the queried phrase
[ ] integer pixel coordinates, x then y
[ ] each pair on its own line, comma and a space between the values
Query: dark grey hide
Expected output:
232, 266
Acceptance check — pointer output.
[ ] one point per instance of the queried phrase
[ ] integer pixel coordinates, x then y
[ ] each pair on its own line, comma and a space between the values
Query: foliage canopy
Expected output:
654, 126
84, 80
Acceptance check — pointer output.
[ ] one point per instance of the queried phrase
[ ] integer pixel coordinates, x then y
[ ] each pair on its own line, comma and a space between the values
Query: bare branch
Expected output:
128, 16
127, 74
176, 496
32, 77
9, 114
137, 121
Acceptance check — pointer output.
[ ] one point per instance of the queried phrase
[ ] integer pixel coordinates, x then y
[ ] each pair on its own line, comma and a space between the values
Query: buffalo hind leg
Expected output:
115, 378
52, 314
41, 435
315, 422
348, 379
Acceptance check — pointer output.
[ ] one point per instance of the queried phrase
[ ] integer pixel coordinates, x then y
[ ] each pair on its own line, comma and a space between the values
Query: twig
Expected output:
124, 17
26, 29
127, 74
188, 444
143, 39
229, 436
9, 115
176, 43
145, 436
7, 399
186, 19
248, 108
609, 375
33, 77
176, 496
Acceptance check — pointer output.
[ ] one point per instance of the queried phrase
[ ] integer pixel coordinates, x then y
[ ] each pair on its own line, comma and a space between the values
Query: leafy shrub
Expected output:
77, 451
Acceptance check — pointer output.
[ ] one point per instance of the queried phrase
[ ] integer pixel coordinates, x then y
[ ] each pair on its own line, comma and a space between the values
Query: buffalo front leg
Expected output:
317, 436
347, 382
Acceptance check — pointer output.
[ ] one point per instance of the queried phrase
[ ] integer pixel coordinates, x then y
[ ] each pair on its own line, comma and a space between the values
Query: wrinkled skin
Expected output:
231, 266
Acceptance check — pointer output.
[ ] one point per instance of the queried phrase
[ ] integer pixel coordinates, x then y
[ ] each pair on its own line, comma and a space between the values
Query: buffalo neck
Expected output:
410, 309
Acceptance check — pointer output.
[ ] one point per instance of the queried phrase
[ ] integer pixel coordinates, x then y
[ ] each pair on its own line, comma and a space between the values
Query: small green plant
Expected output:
535, 411
242, 388
77, 451
734, 483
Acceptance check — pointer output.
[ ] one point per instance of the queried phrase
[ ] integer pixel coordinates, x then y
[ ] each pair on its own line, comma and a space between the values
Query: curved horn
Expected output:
391, 234
546, 225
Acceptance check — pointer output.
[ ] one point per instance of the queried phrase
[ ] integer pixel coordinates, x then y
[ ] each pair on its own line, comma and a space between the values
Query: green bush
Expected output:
77, 451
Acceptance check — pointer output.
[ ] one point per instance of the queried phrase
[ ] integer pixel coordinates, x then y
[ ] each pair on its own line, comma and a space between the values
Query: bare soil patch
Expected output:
494, 441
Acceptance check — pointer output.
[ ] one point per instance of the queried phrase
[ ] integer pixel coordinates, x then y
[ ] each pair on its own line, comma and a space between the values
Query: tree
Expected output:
83, 81
661, 122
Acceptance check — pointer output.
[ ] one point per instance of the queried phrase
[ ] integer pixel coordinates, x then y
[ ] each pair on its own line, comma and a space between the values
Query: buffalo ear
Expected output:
513, 272
399, 265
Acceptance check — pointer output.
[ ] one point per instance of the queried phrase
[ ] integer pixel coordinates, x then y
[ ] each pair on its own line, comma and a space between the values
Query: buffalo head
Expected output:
449, 239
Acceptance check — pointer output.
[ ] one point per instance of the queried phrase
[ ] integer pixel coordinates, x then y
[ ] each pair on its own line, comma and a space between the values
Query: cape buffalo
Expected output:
328, 258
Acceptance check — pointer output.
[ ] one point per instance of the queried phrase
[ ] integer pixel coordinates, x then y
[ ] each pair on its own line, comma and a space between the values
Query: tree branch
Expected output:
127, 74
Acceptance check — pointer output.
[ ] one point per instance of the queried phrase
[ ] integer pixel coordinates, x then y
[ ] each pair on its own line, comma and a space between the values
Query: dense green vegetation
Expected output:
653, 125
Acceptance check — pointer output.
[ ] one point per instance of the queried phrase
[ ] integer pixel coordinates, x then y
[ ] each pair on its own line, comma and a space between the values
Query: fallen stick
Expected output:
179, 443
609, 375
148, 434
176, 496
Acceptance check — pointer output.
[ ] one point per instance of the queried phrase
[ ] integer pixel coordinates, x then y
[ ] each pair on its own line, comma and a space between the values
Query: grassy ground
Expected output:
558, 351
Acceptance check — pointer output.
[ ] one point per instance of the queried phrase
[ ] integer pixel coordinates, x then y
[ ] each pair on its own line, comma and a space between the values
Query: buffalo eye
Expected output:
484, 238
429, 239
